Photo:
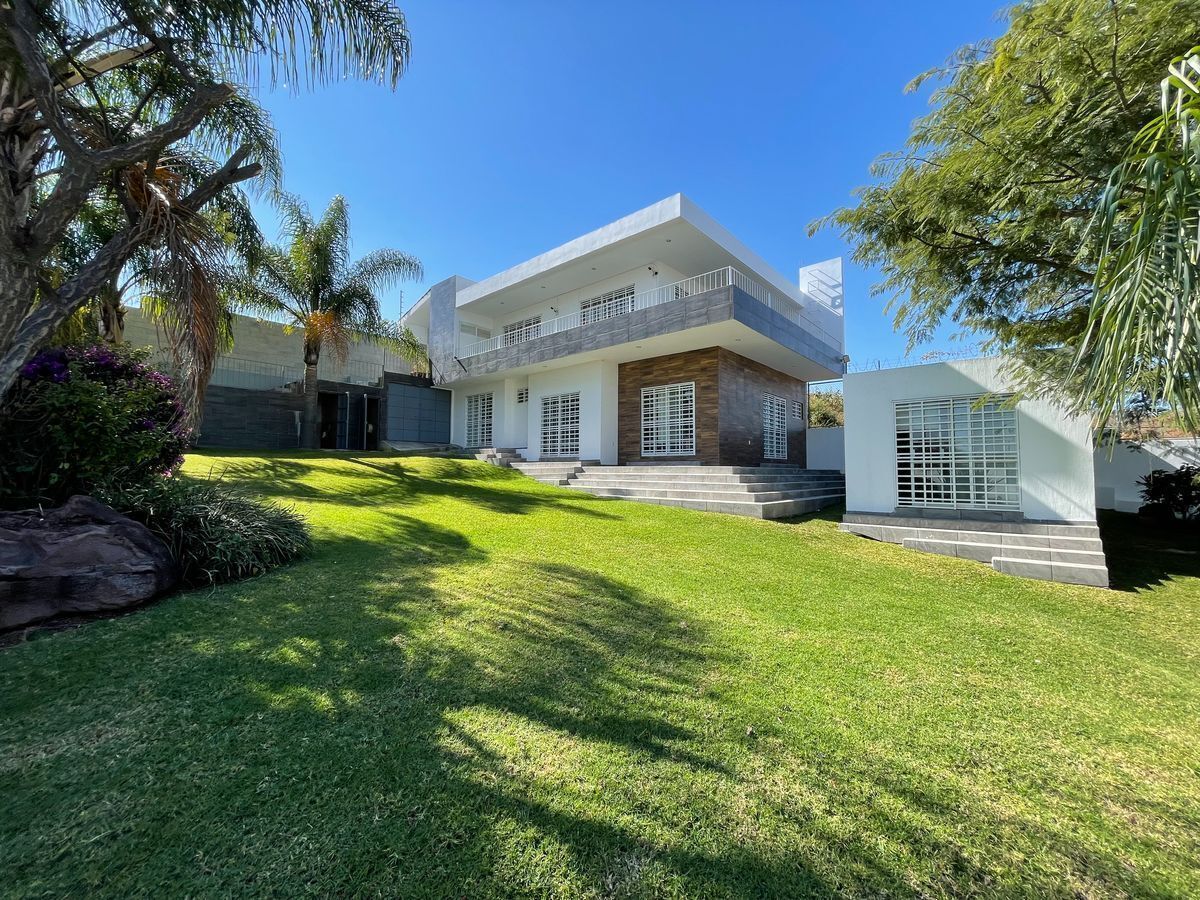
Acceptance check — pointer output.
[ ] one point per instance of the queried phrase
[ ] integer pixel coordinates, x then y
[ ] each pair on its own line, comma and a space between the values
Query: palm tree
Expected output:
113, 98
1144, 324
310, 279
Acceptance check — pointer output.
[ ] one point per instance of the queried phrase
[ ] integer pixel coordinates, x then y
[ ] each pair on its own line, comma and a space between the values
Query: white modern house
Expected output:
657, 339
939, 458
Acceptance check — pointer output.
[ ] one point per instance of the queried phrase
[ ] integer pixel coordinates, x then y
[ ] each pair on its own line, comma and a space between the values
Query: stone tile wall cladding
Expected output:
729, 391
237, 418
742, 385
244, 419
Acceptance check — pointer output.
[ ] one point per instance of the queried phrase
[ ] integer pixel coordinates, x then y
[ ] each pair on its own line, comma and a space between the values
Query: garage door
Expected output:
418, 413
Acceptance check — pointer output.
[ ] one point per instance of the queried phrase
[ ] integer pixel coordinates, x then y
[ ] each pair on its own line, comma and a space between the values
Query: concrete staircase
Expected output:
1049, 551
763, 492
547, 471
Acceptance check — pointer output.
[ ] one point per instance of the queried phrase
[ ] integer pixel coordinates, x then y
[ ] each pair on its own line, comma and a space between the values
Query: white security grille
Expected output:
523, 395
951, 454
479, 420
774, 411
798, 410
614, 303
525, 330
669, 420
560, 425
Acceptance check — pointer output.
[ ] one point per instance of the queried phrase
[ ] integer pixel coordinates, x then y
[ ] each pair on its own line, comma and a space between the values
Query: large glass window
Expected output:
614, 303
560, 425
774, 413
479, 420
957, 453
669, 420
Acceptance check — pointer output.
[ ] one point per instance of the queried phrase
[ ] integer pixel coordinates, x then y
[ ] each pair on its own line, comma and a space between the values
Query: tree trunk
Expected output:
311, 433
24, 326
112, 313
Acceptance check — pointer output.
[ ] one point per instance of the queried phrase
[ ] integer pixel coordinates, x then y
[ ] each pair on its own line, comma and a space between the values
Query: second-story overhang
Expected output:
725, 316
674, 232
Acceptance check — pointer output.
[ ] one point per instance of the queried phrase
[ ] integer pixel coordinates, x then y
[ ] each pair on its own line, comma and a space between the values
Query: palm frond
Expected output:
1143, 327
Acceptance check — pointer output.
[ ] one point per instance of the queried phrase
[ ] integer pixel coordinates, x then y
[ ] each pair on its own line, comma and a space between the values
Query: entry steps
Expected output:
769, 491
1051, 551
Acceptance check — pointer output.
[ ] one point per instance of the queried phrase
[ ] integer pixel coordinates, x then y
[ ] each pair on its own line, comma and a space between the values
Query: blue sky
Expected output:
522, 125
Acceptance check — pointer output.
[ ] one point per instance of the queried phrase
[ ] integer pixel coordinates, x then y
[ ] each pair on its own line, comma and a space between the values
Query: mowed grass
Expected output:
481, 686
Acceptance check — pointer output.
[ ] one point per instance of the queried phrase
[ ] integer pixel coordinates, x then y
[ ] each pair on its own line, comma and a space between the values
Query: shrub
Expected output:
825, 409
84, 417
215, 534
1178, 491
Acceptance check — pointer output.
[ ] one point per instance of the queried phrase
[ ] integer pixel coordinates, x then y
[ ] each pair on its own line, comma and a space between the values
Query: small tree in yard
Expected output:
1178, 491
826, 409
311, 280
113, 99
983, 218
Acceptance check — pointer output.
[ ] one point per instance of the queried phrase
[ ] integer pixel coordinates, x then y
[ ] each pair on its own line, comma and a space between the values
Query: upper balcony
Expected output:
724, 306
626, 291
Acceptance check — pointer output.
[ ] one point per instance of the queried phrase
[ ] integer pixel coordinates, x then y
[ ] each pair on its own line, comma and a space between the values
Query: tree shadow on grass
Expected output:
406, 716
387, 480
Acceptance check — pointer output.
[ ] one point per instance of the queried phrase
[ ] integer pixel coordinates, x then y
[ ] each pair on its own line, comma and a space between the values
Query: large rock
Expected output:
79, 558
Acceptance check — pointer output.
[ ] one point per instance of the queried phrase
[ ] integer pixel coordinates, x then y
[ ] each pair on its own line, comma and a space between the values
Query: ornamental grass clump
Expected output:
214, 533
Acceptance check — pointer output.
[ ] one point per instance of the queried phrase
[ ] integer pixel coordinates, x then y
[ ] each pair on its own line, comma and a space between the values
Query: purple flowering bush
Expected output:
83, 418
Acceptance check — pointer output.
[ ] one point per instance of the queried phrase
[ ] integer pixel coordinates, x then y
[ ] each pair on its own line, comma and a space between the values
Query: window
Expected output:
669, 420
479, 420
523, 395
798, 410
614, 303
560, 425
952, 454
525, 330
774, 410
470, 336
478, 332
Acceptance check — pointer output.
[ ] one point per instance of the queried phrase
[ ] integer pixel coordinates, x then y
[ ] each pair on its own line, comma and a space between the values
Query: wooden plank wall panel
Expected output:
700, 366
741, 385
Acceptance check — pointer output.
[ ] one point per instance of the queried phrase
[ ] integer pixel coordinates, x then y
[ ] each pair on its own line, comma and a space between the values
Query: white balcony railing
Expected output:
697, 284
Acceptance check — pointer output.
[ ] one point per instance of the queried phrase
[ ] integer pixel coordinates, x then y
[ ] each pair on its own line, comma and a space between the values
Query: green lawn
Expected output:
482, 686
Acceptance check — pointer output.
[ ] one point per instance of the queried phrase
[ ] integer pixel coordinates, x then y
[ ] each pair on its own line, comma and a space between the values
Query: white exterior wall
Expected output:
1055, 449
826, 448
519, 425
1119, 468
261, 341
597, 386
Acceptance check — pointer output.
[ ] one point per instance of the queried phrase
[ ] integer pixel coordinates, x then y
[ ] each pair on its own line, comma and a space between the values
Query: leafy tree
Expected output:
826, 409
1144, 324
112, 96
980, 220
311, 280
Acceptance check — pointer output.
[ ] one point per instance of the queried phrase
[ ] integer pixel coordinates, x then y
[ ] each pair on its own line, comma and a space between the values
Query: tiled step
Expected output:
1068, 573
776, 509
1057, 529
673, 469
985, 553
726, 483
623, 475
1051, 551
672, 492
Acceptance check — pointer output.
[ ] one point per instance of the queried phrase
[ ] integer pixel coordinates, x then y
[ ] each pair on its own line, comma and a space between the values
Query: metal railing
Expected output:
697, 284
351, 372
233, 371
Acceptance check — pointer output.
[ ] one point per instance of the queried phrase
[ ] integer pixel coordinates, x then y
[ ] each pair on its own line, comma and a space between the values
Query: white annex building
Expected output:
939, 458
